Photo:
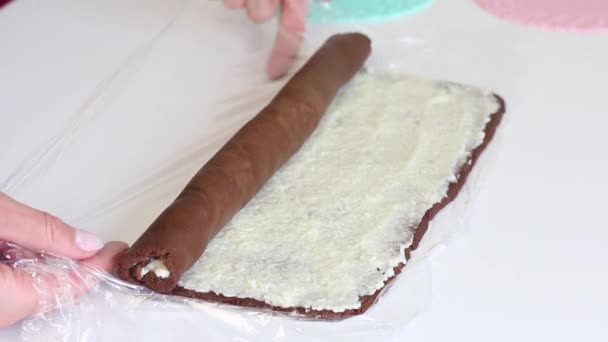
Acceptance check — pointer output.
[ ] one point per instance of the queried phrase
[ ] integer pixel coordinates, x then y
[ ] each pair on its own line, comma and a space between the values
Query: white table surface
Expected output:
108, 107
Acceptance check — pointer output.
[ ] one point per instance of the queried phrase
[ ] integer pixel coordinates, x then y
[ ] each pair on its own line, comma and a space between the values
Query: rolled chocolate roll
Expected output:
224, 185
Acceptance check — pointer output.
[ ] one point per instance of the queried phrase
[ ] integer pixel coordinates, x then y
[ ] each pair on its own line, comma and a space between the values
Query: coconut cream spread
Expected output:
333, 222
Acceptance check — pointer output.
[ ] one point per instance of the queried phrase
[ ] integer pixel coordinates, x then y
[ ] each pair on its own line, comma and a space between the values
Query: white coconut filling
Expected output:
331, 225
156, 266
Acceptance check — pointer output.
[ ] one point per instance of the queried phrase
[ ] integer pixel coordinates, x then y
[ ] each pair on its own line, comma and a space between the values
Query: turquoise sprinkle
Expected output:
350, 11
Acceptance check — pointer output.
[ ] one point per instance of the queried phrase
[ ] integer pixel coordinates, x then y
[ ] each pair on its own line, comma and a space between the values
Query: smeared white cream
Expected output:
158, 267
332, 224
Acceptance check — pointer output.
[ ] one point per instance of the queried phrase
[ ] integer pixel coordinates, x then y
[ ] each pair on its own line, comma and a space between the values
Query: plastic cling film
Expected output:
82, 303
72, 297
92, 305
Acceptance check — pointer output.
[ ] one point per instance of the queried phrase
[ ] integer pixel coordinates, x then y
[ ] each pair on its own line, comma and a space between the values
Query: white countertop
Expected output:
108, 107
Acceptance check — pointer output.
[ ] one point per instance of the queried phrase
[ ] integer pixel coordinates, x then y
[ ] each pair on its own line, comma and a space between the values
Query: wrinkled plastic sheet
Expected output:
92, 305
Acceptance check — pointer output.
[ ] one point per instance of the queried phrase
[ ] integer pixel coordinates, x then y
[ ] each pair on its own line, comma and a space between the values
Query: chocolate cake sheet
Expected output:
367, 301
232, 177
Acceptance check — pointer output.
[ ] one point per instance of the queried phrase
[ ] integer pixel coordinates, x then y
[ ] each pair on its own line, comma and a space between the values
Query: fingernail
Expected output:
88, 241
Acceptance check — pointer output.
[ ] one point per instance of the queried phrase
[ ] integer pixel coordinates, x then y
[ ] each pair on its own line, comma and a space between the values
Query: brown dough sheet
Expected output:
242, 166
367, 301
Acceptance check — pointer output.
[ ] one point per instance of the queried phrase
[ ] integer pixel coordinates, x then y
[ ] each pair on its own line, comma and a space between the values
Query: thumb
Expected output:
40, 231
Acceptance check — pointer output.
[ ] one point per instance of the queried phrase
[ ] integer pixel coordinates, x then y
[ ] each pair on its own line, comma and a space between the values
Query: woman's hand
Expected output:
292, 24
40, 231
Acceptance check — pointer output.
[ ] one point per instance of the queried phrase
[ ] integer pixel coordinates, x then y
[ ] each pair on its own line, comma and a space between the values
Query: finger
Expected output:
17, 295
292, 24
105, 259
234, 4
80, 279
261, 10
20, 298
40, 231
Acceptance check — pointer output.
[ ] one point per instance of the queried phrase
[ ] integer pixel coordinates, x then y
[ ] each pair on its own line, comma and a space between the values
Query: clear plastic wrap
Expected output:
92, 305
69, 295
